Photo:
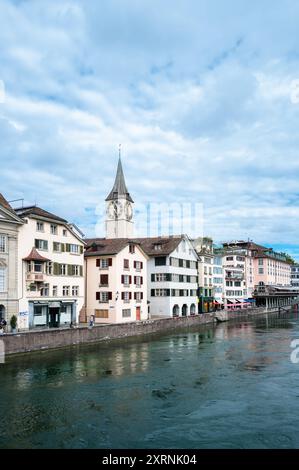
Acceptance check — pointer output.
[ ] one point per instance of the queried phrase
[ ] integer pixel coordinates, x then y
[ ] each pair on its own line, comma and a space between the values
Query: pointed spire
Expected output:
119, 188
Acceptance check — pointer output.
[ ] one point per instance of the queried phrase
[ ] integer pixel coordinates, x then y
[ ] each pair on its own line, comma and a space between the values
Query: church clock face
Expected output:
114, 209
129, 211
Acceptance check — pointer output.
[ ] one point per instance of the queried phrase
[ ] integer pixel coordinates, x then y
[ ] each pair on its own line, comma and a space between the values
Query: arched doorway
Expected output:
2, 312
176, 311
184, 310
192, 309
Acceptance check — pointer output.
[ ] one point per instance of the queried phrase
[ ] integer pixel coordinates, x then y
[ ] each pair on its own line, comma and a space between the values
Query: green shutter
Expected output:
67, 247
70, 270
62, 246
81, 270
56, 269
81, 249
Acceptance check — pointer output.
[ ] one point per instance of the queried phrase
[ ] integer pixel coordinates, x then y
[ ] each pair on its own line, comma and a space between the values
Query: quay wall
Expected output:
61, 337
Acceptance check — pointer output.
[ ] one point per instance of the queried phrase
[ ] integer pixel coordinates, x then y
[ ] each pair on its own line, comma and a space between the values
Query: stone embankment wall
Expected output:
58, 338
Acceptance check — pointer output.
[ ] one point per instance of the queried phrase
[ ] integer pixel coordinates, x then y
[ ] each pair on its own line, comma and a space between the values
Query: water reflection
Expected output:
230, 386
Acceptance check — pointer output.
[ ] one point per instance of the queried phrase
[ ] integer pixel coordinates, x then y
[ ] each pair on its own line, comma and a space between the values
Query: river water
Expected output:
229, 386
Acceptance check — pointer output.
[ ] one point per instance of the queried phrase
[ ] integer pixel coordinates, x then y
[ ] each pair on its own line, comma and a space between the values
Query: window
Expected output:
161, 261
138, 296
137, 281
64, 232
126, 264
50, 268
229, 258
104, 263
2, 279
37, 266
75, 291
157, 247
54, 291
261, 262
44, 292
41, 244
126, 313
126, 280
62, 269
53, 229
132, 248
76, 270
75, 249
40, 227
261, 270
38, 311
103, 297
104, 280
58, 247
66, 291
138, 265
126, 296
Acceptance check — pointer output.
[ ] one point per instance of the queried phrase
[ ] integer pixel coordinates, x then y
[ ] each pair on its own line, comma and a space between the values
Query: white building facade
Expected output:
116, 281
51, 269
172, 276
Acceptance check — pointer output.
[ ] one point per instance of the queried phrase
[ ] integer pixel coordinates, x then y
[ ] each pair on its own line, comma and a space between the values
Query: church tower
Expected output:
119, 208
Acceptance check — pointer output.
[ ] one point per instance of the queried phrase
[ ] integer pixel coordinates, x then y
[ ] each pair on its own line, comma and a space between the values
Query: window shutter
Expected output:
98, 263
62, 245
141, 280
122, 279
141, 295
110, 261
130, 279
122, 296
153, 292
81, 249
81, 271
135, 279
97, 295
67, 247
109, 295
69, 270
153, 277
135, 295
130, 295
141, 265
135, 264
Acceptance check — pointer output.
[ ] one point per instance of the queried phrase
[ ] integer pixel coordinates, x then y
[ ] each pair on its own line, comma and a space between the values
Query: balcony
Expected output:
35, 277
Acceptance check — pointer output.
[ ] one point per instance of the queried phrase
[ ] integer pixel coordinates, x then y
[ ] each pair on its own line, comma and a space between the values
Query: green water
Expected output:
231, 386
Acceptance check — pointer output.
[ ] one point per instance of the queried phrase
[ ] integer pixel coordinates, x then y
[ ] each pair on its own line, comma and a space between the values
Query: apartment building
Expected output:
172, 276
204, 249
295, 275
116, 281
50, 270
218, 279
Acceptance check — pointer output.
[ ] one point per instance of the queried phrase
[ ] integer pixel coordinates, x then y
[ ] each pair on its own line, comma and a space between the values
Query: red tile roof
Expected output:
35, 256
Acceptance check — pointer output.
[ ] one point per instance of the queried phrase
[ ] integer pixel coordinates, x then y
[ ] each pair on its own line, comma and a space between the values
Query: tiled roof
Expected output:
35, 256
5, 203
37, 211
106, 246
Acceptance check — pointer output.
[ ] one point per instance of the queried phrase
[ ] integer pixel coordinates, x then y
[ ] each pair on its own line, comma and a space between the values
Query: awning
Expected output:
249, 300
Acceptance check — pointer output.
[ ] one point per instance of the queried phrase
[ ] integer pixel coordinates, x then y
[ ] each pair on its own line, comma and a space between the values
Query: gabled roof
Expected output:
107, 246
119, 187
35, 256
160, 246
37, 211
5, 203
9, 210
153, 246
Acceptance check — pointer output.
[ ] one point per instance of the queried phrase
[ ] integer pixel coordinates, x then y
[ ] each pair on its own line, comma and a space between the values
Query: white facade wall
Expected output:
116, 305
27, 235
163, 306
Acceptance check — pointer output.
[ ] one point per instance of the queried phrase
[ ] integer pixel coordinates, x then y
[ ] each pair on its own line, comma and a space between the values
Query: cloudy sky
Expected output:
202, 94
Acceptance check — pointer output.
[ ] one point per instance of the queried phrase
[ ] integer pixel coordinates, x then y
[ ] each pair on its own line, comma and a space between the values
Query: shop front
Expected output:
51, 314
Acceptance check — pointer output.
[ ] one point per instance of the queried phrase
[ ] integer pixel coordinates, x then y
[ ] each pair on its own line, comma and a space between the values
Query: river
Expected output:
229, 386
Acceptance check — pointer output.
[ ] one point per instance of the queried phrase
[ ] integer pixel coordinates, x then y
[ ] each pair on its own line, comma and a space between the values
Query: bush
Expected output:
13, 322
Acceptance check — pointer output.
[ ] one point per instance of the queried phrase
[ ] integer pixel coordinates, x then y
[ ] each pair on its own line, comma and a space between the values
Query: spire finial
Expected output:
119, 150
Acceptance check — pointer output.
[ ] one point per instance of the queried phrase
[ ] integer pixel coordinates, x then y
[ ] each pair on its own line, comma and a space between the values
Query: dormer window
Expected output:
53, 229
132, 248
157, 247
